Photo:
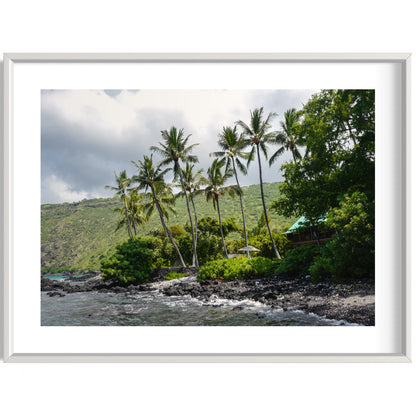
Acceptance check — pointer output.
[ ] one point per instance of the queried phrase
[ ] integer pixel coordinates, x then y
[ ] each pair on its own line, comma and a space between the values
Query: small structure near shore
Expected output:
249, 249
303, 232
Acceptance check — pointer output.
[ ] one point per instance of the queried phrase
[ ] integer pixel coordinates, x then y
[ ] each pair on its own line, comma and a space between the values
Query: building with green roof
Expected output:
302, 232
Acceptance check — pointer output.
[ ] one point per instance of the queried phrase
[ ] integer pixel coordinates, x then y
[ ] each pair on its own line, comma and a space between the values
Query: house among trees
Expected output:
303, 232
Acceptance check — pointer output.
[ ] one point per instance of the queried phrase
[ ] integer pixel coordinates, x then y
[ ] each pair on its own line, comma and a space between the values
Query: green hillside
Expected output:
77, 235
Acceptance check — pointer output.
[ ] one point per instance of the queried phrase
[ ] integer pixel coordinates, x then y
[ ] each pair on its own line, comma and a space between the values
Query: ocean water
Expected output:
60, 277
152, 308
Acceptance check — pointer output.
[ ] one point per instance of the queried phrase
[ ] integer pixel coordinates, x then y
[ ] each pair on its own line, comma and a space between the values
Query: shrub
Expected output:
298, 260
237, 268
209, 247
174, 275
263, 243
350, 255
320, 268
131, 262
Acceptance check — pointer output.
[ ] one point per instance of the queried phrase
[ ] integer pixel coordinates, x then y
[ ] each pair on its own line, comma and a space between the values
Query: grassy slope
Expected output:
78, 235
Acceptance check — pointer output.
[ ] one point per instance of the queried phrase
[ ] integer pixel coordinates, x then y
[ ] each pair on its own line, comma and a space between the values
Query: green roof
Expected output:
302, 222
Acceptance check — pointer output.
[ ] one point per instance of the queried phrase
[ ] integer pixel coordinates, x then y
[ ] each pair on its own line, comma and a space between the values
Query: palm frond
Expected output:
280, 138
241, 166
277, 154
246, 129
263, 148
297, 154
251, 156
217, 154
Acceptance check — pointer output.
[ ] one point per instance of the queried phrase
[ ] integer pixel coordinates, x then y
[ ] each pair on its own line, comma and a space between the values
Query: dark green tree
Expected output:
131, 262
339, 162
350, 254
340, 156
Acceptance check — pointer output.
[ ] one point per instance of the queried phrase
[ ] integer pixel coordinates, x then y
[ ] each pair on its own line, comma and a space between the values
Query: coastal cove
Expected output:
296, 251
186, 302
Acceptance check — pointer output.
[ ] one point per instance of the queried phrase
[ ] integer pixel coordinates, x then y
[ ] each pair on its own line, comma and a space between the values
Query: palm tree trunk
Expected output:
166, 229
194, 256
222, 234
134, 222
293, 155
128, 221
242, 206
264, 205
196, 222
315, 233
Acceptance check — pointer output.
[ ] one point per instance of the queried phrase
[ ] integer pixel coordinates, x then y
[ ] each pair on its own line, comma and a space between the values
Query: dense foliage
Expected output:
131, 261
351, 252
263, 244
336, 178
332, 145
76, 236
173, 275
238, 268
298, 261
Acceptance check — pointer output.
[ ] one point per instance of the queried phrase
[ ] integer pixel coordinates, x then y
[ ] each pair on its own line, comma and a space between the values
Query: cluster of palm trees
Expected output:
176, 155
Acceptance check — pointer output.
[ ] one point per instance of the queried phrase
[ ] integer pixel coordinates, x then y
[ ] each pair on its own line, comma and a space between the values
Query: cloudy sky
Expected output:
87, 135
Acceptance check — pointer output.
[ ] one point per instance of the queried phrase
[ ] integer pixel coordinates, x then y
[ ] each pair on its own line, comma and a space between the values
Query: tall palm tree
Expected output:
289, 137
123, 182
151, 177
232, 145
193, 183
259, 135
174, 149
216, 188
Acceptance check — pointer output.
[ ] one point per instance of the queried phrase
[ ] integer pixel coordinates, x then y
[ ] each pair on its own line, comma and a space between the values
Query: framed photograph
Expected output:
206, 208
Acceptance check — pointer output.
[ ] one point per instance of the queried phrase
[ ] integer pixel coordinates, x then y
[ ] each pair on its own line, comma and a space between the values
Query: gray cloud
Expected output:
87, 135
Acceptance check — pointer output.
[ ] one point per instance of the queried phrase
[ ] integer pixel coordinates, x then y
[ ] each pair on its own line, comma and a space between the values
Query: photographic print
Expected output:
207, 207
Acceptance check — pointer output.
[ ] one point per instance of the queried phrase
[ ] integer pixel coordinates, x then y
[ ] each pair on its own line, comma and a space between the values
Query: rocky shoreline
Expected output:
353, 302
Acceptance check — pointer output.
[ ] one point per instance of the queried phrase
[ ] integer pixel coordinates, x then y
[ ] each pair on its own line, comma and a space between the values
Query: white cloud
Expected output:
58, 191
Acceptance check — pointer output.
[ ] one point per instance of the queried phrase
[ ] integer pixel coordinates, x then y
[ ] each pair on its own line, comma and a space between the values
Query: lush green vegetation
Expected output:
76, 236
350, 255
335, 178
332, 179
131, 262
238, 268
298, 260
174, 276
262, 243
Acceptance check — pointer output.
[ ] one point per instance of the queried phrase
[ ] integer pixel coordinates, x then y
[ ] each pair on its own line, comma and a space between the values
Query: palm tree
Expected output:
193, 184
135, 208
173, 149
259, 135
215, 188
232, 146
123, 182
289, 138
151, 177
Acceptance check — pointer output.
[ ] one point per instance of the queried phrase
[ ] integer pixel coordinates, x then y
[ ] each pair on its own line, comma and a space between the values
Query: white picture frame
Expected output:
400, 237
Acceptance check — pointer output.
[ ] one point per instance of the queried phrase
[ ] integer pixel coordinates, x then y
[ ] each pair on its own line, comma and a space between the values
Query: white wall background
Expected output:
215, 26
